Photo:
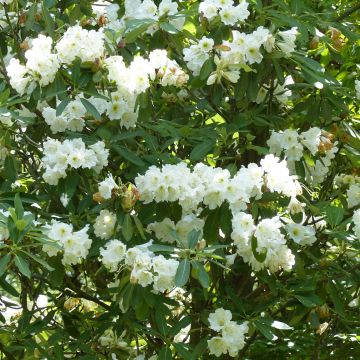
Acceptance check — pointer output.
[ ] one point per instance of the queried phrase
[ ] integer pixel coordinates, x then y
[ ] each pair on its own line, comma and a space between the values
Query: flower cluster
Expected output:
292, 144
213, 186
166, 230
356, 221
269, 240
87, 45
72, 118
147, 9
60, 155
75, 244
230, 14
231, 337
197, 54
146, 267
168, 71
41, 65
104, 226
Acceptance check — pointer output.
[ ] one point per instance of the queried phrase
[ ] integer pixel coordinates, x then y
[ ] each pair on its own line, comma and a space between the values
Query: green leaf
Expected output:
336, 298
22, 265
193, 238
161, 248
279, 72
265, 329
62, 106
49, 22
139, 226
201, 150
309, 300
183, 351
10, 168
201, 274
40, 261
3, 263
171, 29
182, 273
165, 353
136, 27
71, 183
19, 209
334, 215
127, 228
206, 69
30, 17
91, 109
161, 321
258, 256
128, 155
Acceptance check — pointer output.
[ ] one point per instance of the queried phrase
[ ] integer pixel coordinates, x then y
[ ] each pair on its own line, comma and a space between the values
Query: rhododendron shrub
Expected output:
179, 179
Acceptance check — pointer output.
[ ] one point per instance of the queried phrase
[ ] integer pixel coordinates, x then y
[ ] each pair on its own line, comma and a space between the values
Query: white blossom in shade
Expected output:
104, 226
64, 199
356, 221
113, 254
234, 336
197, 54
295, 206
357, 89
80, 43
353, 195
18, 75
107, 186
219, 319
217, 346
231, 337
311, 139
287, 46
164, 273
301, 234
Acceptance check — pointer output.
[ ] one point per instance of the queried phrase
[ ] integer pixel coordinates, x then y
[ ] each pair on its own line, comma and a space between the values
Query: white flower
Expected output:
219, 319
107, 186
217, 346
104, 226
112, 254
353, 194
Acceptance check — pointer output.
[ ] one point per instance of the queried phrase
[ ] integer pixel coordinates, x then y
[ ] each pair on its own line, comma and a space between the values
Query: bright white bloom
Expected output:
219, 319
75, 244
107, 186
112, 254
289, 38
302, 235
356, 221
104, 226
80, 43
232, 338
353, 195
60, 155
